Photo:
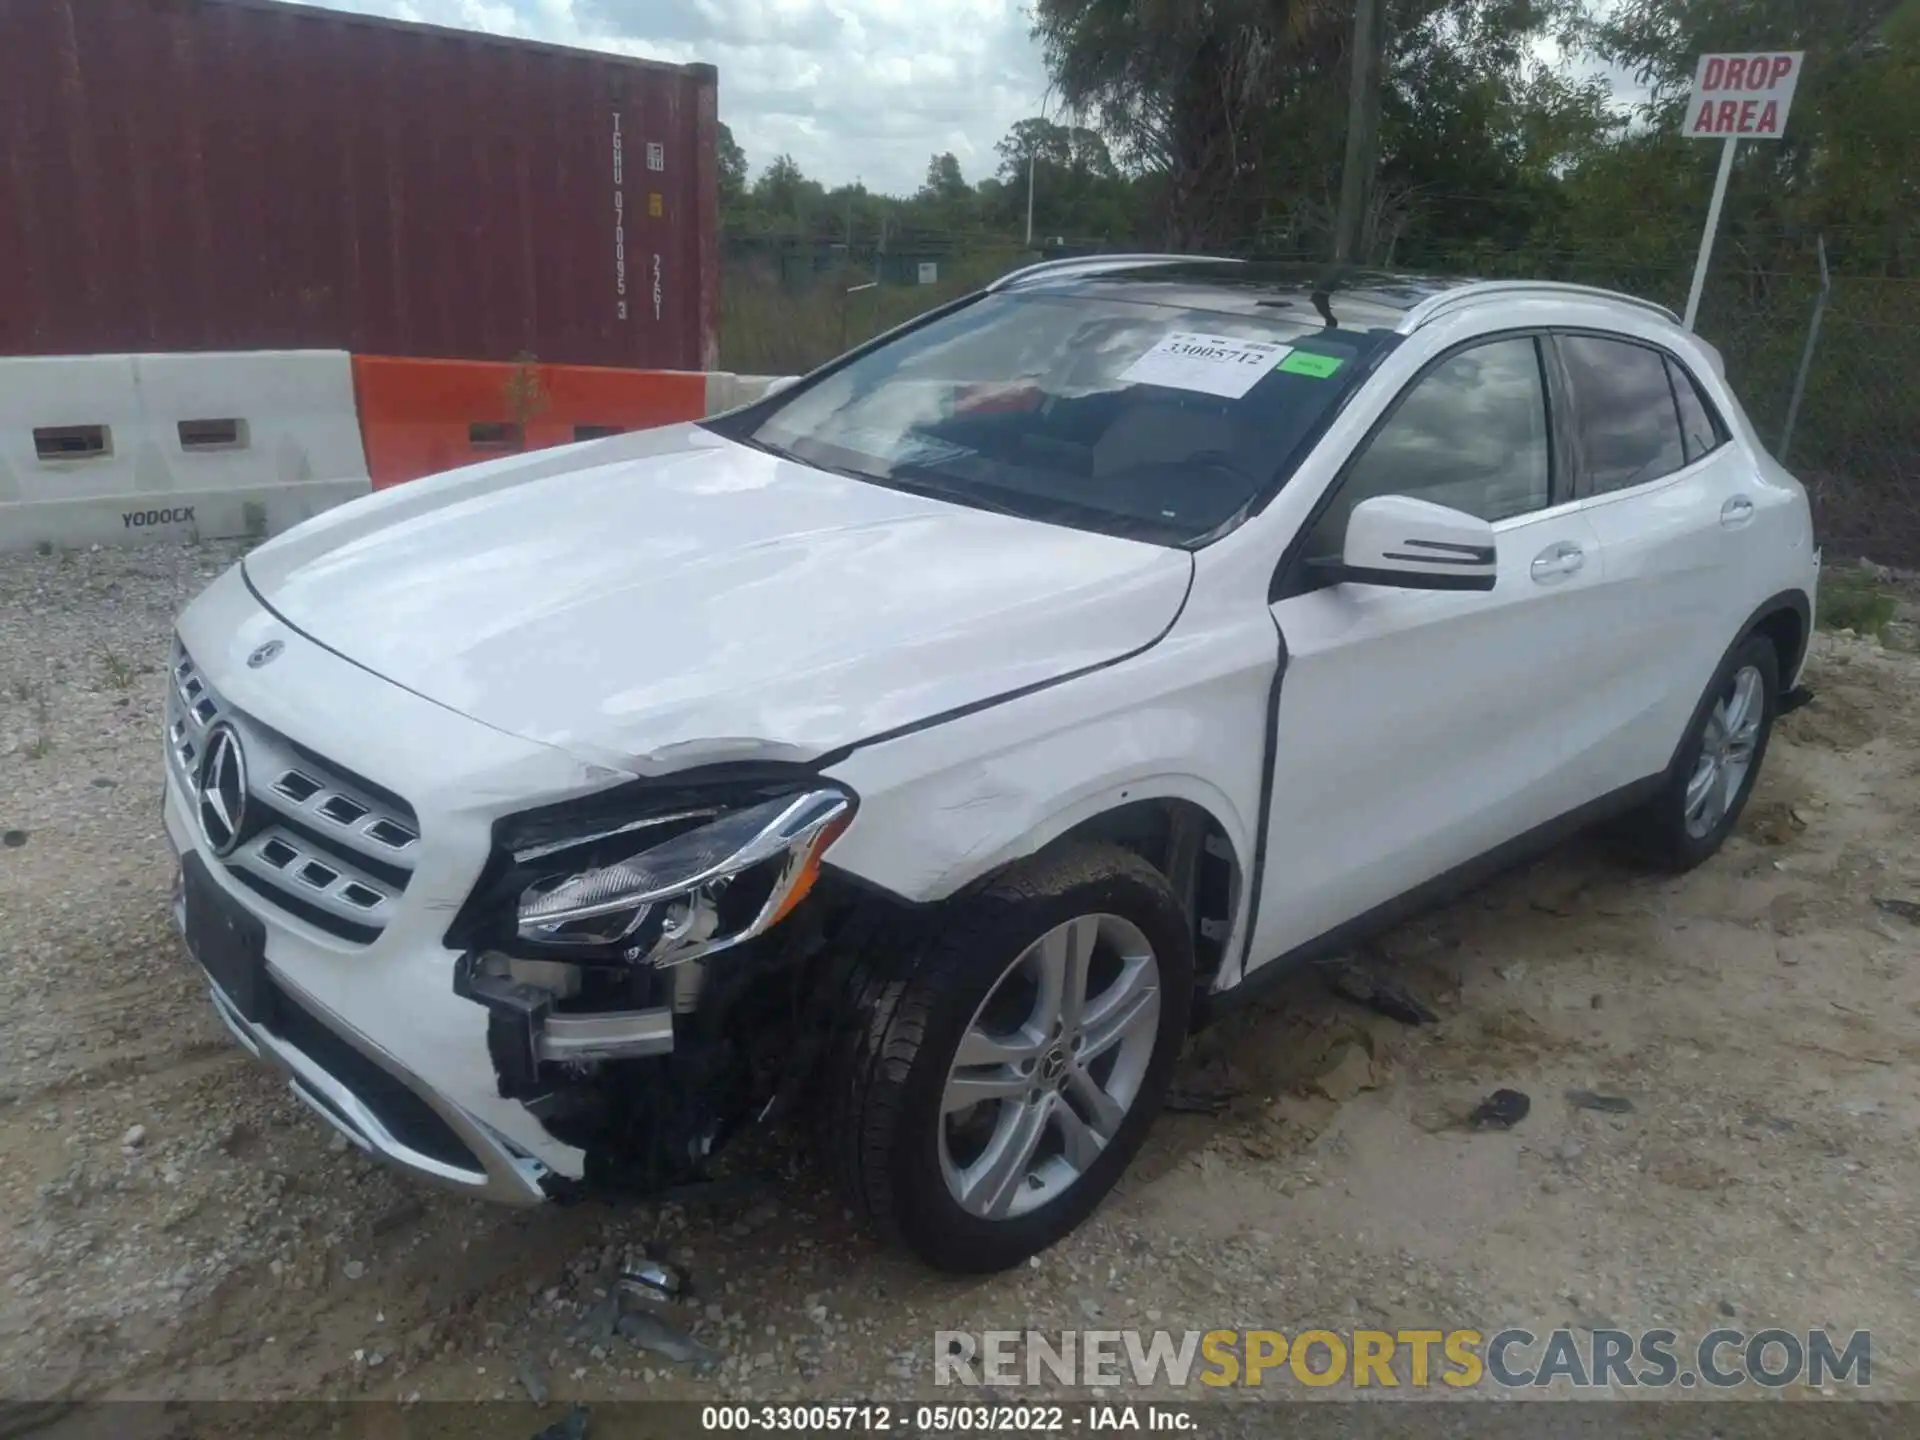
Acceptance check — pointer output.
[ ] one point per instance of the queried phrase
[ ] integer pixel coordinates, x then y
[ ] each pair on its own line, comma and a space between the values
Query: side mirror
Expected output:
1417, 545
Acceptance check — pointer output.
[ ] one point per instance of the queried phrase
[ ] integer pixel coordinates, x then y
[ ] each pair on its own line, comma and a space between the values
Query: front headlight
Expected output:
703, 890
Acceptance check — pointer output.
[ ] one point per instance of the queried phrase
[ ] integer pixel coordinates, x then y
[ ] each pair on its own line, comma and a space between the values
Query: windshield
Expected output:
1132, 418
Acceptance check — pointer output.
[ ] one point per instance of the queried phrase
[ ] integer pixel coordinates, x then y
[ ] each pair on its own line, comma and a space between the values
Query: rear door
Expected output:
1418, 729
1667, 497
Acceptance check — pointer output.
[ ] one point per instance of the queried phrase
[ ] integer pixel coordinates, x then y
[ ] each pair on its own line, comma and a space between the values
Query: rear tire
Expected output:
1718, 763
989, 1089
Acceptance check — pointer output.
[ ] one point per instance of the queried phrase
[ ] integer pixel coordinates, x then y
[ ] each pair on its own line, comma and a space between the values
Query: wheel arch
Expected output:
1785, 619
1182, 824
1193, 851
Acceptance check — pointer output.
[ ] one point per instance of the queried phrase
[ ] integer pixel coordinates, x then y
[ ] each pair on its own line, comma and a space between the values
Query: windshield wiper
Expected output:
932, 483
765, 447
781, 452
923, 482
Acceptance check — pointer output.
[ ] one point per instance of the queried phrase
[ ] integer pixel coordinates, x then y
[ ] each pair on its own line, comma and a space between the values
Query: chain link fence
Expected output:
788, 305
1856, 442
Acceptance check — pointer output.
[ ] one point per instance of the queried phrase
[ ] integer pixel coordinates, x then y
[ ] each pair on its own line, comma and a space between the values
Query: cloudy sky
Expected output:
852, 89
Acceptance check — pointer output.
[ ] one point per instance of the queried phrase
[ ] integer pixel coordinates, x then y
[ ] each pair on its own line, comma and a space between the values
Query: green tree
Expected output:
1077, 188
785, 199
1236, 109
1848, 165
944, 184
731, 162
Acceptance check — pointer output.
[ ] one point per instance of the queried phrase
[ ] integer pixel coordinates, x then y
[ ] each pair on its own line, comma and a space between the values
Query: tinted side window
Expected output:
1471, 434
1700, 428
1623, 403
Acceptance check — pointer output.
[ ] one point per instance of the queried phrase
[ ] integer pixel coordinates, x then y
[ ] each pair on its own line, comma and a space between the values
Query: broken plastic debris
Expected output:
597, 1324
527, 1372
646, 1331
571, 1426
1609, 1104
646, 1279
1354, 981
1501, 1110
1201, 1099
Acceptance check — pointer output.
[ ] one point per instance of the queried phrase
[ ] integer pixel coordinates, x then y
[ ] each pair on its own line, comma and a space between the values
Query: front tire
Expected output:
990, 1089
1718, 763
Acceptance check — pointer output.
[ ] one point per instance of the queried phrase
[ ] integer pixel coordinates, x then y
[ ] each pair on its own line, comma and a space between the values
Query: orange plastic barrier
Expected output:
418, 417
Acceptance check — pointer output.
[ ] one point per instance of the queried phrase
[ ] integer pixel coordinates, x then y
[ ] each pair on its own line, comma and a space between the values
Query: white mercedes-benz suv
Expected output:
931, 744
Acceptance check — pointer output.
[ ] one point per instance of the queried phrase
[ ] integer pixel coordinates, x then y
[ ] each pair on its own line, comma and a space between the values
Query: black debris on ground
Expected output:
1353, 981
1199, 1100
1502, 1110
572, 1426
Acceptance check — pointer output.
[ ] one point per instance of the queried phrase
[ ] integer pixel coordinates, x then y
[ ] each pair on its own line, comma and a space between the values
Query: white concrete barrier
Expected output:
727, 391
113, 449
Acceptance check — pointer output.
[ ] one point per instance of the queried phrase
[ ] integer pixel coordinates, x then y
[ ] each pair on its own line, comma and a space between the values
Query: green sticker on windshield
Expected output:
1299, 362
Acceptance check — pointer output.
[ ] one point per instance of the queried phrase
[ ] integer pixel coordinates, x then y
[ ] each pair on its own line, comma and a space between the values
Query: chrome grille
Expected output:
319, 842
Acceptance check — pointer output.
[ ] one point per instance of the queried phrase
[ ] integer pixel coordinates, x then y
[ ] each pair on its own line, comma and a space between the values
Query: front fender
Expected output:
942, 807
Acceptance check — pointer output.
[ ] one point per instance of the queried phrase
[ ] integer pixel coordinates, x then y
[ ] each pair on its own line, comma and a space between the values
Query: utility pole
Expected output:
1032, 150
1033, 156
1363, 130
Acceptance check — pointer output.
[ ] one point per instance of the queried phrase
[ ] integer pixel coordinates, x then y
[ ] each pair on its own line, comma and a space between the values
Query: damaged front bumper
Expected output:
372, 1099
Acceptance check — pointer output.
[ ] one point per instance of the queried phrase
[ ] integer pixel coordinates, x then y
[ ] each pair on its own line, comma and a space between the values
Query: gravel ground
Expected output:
177, 1225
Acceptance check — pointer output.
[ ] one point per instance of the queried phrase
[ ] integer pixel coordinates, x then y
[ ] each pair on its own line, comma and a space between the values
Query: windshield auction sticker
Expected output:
1212, 364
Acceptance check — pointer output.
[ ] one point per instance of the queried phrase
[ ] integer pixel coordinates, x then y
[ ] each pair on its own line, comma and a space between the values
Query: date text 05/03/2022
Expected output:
957, 1419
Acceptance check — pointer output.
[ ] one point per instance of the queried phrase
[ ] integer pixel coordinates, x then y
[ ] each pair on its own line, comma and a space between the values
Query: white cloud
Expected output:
865, 89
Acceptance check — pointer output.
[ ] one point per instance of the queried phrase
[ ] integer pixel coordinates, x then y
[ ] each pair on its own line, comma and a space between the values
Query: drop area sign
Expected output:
1743, 97
1736, 97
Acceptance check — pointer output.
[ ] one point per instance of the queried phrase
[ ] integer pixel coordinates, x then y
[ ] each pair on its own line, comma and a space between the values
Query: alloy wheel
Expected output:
1049, 1067
1726, 753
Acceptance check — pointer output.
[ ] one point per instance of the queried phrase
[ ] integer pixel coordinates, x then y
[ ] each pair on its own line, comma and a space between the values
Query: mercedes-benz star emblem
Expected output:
262, 654
223, 790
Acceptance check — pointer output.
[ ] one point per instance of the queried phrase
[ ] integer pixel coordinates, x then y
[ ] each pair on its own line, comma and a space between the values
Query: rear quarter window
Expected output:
1625, 415
1701, 429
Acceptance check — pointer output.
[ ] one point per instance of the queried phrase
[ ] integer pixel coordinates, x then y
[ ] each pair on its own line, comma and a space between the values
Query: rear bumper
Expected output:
376, 1102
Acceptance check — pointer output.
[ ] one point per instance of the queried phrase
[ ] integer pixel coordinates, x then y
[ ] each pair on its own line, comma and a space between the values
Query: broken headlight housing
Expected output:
722, 876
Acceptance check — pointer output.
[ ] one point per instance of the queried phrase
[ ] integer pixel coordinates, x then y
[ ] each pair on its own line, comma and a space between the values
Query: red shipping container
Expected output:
247, 174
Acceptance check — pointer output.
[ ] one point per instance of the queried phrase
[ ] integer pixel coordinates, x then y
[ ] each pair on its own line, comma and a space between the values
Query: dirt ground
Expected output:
177, 1225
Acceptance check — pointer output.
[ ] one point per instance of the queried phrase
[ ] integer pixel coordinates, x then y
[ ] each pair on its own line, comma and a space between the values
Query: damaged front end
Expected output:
659, 963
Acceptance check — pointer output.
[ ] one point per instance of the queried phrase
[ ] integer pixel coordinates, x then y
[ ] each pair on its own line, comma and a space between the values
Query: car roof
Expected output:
1352, 297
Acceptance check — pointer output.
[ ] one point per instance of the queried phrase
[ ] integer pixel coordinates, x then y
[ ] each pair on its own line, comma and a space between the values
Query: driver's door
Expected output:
1419, 729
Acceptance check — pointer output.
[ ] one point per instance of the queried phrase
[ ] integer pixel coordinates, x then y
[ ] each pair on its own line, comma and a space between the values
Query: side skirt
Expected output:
1426, 896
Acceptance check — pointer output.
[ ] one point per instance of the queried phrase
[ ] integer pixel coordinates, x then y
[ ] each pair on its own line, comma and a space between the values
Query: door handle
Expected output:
1737, 511
1557, 562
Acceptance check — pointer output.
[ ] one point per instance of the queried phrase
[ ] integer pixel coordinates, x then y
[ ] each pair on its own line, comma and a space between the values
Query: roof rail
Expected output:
1435, 305
1094, 264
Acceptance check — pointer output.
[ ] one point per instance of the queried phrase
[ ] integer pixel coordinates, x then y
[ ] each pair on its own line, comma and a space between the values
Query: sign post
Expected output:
1735, 98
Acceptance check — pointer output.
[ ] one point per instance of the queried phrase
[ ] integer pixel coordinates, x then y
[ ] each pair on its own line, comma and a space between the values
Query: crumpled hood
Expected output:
669, 598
